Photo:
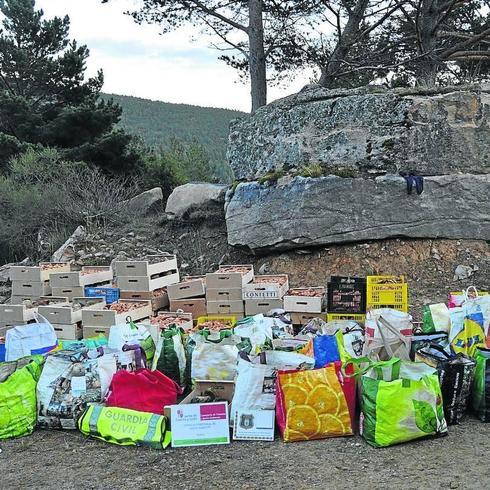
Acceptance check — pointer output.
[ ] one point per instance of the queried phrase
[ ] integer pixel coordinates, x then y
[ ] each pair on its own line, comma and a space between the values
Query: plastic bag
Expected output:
31, 339
455, 377
315, 404
467, 331
436, 318
400, 401
258, 330
170, 356
142, 390
423, 340
481, 385
131, 334
69, 381
387, 334
18, 413
255, 387
215, 360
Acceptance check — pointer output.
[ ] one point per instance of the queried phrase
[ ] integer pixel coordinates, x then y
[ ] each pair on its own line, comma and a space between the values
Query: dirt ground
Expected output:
68, 460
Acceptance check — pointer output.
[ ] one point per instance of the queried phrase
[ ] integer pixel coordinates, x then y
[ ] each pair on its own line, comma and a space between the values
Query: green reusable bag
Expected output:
170, 356
481, 385
400, 401
125, 427
18, 411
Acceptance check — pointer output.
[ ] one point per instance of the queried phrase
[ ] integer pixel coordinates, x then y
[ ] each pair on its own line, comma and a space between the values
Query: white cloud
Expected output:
138, 61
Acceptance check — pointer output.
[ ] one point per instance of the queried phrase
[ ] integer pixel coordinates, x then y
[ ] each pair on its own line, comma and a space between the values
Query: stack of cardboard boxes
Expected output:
189, 296
224, 290
147, 279
265, 293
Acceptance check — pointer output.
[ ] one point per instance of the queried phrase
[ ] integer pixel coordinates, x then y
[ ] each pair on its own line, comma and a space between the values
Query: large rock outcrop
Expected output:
364, 131
355, 143
320, 211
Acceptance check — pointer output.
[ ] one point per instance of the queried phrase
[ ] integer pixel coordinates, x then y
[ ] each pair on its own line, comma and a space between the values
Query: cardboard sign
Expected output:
254, 425
200, 424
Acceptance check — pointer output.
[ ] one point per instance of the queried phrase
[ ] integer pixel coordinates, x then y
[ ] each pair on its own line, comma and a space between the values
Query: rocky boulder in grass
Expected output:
325, 210
145, 202
197, 201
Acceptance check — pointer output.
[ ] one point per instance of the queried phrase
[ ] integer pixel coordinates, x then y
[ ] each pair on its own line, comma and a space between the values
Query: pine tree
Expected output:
45, 98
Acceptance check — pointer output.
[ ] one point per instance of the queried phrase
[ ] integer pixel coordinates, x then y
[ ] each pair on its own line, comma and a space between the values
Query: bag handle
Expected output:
467, 292
396, 332
394, 362
139, 354
440, 349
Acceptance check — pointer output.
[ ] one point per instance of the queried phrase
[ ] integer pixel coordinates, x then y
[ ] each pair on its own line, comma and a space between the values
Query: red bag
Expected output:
142, 390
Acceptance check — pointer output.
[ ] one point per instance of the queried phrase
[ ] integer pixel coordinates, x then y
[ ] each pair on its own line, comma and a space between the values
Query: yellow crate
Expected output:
384, 294
331, 317
227, 320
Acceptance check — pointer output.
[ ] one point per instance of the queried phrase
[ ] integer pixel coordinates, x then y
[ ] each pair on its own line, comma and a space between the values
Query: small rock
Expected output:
462, 272
303, 252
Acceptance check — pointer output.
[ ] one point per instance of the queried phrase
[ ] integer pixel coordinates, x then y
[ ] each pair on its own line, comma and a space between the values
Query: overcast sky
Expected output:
138, 61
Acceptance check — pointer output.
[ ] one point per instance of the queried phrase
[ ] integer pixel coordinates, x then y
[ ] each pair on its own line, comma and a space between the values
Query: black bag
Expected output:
422, 340
456, 373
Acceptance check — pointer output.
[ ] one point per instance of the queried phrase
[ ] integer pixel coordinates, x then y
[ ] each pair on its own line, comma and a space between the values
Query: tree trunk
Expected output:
428, 65
257, 66
344, 44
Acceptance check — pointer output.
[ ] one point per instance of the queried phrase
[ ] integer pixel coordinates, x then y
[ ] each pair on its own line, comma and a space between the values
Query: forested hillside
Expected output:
158, 122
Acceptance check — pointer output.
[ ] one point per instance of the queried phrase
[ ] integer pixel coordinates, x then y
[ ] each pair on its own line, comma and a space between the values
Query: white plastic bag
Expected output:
126, 334
258, 329
255, 387
34, 338
212, 360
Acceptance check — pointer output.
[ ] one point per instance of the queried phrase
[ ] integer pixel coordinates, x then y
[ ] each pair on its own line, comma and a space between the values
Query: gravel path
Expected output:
50, 459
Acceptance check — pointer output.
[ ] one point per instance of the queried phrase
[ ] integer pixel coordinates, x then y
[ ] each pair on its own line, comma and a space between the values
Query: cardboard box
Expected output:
190, 287
31, 289
196, 306
304, 304
267, 287
149, 266
102, 317
224, 294
304, 318
69, 332
222, 278
257, 306
158, 301
65, 314
148, 283
95, 331
88, 276
38, 273
226, 307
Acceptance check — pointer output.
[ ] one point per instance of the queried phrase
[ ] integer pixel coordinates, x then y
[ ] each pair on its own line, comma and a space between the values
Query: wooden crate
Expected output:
257, 306
14, 313
185, 319
148, 283
69, 292
31, 289
190, 287
159, 300
88, 276
222, 278
64, 314
224, 294
304, 318
95, 331
195, 306
267, 287
39, 273
226, 307
149, 266
294, 302
69, 332
106, 318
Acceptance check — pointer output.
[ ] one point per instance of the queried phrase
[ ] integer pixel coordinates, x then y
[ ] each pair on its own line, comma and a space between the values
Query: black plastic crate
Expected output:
346, 295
